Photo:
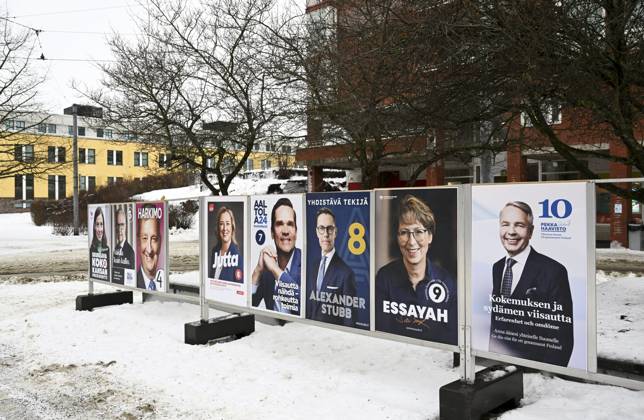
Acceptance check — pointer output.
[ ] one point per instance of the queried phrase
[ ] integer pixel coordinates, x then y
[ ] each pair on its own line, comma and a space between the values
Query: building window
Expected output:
551, 112
56, 187
87, 183
24, 187
115, 157
266, 164
164, 160
87, 156
81, 131
559, 170
51, 128
24, 153
9, 124
286, 149
20, 125
111, 180
256, 147
250, 165
108, 133
55, 154
210, 163
140, 158
99, 132
70, 130
42, 128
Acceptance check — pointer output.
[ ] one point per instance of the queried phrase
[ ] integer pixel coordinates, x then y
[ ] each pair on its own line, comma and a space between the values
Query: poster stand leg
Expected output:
231, 326
496, 387
91, 301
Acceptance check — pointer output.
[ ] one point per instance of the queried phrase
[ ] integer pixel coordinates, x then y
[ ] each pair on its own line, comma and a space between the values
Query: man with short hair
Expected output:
149, 237
522, 279
123, 255
329, 275
279, 267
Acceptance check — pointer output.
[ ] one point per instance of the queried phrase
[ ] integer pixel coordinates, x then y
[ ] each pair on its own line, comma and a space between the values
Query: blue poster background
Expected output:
348, 208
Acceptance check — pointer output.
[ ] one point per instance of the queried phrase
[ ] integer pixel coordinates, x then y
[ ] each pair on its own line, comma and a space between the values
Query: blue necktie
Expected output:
152, 286
321, 274
506, 284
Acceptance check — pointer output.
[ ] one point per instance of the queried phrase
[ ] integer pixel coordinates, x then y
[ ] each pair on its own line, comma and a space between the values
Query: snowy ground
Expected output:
130, 361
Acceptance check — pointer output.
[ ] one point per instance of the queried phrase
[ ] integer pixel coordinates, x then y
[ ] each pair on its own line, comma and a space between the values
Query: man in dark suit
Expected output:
123, 255
149, 237
329, 276
532, 314
276, 278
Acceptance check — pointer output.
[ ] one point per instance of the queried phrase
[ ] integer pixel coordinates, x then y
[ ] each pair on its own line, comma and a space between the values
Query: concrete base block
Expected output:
89, 302
232, 325
496, 387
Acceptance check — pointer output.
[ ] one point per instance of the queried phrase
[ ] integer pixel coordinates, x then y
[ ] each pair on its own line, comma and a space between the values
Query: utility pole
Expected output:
84, 111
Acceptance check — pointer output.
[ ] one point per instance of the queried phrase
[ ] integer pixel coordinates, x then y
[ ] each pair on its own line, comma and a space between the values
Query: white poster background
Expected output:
219, 290
107, 229
569, 248
260, 230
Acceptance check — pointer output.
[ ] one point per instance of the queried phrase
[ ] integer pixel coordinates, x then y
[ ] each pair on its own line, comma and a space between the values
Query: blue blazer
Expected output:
542, 280
227, 273
266, 288
338, 279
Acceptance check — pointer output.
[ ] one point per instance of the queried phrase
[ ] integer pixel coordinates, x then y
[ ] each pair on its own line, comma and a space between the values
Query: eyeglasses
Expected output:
406, 234
328, 229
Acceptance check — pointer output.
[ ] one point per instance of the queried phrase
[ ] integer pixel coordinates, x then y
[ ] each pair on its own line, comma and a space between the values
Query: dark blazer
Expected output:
338, 279
393, 285
266, 288
227, 273
122, 258
543, 280
140, 281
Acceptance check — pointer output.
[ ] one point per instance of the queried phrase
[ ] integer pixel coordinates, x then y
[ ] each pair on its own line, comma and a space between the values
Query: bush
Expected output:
60, 213
181, 216
39, 212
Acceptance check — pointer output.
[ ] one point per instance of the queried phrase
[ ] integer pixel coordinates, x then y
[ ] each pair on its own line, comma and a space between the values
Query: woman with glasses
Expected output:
414, 296
225, 260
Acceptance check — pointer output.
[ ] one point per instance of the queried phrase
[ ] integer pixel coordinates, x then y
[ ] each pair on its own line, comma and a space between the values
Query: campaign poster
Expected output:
123, 271
529, 272
225, 238
416, 263
337, 252
277, 236
98, 227
151, 229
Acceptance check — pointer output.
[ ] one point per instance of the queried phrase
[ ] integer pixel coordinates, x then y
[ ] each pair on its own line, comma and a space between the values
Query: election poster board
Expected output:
416, 263
338, 253
151, 234
276, 258
225, 234
529, 272
99, 228
123, 260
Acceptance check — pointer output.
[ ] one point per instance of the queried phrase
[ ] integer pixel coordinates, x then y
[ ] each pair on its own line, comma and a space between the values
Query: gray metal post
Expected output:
75, 164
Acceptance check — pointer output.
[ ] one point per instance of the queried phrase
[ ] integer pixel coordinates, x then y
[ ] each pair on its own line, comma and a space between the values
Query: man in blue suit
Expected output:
276, 278
330, 279
522, 281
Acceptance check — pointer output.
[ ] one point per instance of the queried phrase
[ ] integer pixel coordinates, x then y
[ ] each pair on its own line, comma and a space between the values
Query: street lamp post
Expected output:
84, 111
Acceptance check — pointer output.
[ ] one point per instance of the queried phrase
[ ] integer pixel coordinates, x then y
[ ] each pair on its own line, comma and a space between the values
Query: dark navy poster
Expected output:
416, 263
338, 250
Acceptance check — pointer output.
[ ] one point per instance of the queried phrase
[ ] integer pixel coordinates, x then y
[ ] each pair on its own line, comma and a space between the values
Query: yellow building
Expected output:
105, 155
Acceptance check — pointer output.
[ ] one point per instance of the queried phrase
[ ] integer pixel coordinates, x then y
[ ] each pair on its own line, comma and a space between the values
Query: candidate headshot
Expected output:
521, 278
99, 238
123, 255
414, 283
280, 262
225, 259
149, 247
329, 274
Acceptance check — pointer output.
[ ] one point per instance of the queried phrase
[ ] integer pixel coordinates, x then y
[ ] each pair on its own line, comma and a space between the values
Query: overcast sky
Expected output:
73, 38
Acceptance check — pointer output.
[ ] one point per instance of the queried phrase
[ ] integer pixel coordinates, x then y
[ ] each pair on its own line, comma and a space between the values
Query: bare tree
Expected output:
21, 152
532, 59
198, 84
